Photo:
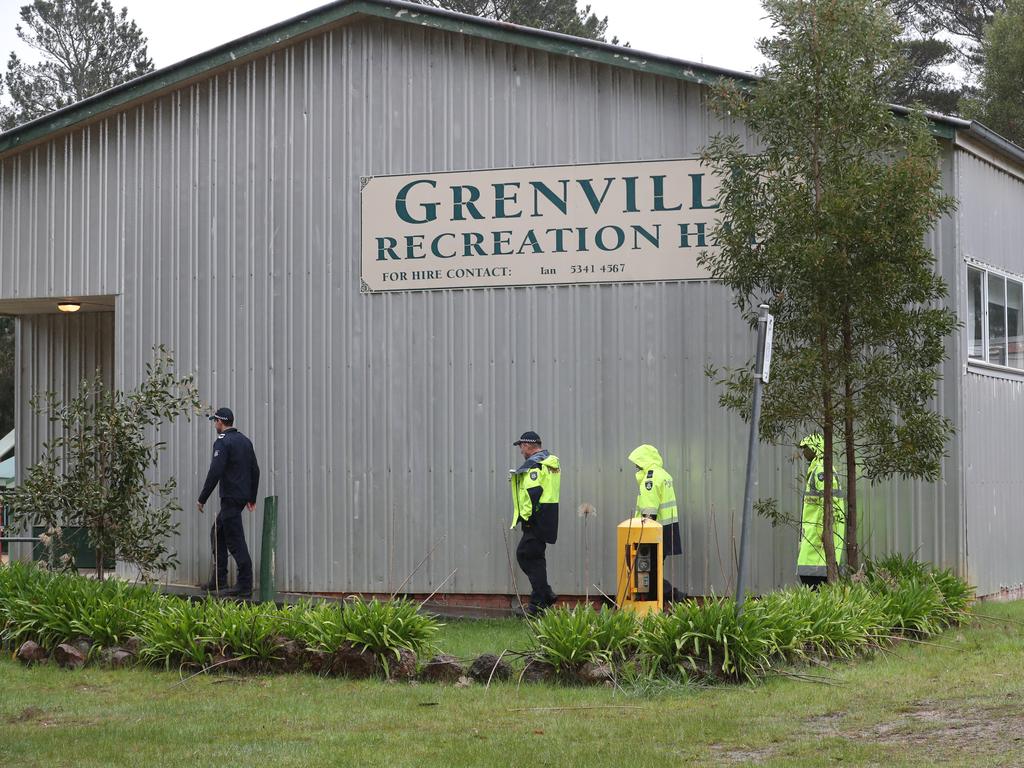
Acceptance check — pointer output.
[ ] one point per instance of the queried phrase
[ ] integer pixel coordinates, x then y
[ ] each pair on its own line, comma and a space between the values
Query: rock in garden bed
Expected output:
354, 662
591, 673
402, 668
442, 669
537, 671
489, 667
318, 662
291, 656
118, 658
31, 652
68, 656
225, 661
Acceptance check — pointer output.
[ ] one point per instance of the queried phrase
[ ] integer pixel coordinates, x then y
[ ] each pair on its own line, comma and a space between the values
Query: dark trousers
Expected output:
813, 581
229, 536
530, 555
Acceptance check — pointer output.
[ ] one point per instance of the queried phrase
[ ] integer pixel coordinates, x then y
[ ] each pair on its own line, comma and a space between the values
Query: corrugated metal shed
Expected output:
992, 421
224, 217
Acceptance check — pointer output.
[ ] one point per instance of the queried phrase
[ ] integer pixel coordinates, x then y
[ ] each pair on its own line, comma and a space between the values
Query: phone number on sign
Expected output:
580, 269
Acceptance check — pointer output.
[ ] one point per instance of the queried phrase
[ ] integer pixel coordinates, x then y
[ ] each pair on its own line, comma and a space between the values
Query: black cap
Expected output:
528, 437
224, 414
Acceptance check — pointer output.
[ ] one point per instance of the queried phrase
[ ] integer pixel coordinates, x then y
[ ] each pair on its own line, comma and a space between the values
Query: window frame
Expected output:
982, 363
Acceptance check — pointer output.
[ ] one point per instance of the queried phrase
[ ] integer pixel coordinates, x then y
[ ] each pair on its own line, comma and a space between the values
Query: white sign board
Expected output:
602, 223
769, 332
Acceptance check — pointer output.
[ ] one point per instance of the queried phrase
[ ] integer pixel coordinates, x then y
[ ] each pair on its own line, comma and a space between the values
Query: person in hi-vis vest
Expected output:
656, 499
536, 486
810, 564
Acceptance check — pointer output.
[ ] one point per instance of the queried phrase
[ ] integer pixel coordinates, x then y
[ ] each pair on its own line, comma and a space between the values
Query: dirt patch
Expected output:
40, 718
730, 756
826, 724
88, 688
26, 715
945, 727
35, 716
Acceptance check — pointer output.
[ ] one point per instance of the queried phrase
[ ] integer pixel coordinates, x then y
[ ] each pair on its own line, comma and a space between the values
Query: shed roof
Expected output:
304, 25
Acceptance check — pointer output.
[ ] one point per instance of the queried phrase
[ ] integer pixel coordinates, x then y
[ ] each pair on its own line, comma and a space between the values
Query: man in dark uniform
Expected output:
536, 486
234, 467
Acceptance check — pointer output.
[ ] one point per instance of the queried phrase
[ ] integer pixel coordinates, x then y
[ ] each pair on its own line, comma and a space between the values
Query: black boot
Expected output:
239, 593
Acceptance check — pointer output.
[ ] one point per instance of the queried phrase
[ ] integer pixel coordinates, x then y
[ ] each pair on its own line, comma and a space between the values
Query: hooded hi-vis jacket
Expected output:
811, 560
656, 497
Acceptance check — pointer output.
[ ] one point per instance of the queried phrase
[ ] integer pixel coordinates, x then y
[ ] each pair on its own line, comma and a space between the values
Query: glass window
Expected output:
975, 314
1014, 332
996, 319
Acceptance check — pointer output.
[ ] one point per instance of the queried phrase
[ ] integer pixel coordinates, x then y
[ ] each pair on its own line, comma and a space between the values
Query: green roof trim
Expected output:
308, 23
942, 130
552, 42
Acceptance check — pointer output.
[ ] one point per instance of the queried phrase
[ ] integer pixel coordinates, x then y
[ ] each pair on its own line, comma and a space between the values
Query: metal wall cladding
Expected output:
55, 353
226, 215
993, 403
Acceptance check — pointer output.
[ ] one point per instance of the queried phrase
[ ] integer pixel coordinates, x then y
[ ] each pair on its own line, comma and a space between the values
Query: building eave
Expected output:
302, 26
292, 30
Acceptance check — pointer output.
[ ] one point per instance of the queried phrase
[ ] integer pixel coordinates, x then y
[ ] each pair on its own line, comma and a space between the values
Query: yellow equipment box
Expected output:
639, 566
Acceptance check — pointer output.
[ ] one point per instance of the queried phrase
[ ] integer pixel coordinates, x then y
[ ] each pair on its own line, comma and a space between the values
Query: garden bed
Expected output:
72, 621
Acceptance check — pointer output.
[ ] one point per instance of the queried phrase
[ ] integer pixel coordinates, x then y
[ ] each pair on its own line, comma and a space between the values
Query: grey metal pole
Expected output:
751, 484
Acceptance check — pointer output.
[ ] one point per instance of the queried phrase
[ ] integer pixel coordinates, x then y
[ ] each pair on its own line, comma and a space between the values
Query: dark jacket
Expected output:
234, 466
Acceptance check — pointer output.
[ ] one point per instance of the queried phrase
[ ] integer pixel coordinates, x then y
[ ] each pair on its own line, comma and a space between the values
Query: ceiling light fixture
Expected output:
69, 306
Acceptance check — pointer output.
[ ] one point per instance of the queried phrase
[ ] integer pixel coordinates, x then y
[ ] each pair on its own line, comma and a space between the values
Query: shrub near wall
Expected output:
45, 615
706, 641
53, 610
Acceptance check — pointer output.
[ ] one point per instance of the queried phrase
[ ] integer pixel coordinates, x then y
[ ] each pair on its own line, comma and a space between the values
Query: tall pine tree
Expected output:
83, 47
999, 100
553, 15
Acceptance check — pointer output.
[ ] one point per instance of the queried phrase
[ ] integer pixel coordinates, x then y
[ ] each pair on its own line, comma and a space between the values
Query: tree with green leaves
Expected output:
999, 100
826, 223
6, 119
553, 15
84, 47
96, 472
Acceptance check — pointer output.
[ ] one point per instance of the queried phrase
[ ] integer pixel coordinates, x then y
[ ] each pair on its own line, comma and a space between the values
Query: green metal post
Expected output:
268, 552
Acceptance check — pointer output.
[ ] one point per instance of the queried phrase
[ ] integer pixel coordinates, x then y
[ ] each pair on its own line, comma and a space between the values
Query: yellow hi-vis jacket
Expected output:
657, 497
811, 560
536, 487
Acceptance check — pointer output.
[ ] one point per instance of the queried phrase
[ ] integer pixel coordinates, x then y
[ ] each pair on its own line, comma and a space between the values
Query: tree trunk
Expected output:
828, 428
828, 414
827, 518
852, 550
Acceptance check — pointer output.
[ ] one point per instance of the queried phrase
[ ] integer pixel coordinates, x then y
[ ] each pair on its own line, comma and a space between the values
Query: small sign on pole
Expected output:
763, 359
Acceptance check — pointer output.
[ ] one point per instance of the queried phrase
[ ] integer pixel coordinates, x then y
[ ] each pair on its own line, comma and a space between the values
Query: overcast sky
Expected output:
716, 32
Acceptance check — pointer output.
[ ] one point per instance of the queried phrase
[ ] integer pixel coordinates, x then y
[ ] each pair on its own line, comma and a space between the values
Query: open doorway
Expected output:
53, 351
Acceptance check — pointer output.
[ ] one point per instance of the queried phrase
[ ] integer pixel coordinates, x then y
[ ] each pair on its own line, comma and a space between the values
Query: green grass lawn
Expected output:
468, 639
958, 701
